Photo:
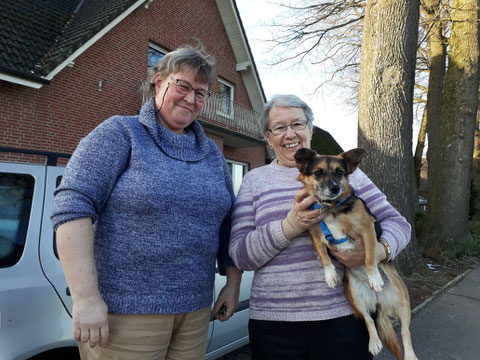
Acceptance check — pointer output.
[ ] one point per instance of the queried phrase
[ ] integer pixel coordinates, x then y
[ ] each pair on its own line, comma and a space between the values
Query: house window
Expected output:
225, 103
155, 55
238, 171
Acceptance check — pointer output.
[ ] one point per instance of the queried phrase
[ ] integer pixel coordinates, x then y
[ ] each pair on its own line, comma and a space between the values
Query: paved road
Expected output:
240, 354
446, 328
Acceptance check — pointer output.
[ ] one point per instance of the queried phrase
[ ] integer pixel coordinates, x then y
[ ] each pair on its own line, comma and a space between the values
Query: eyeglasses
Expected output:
282, 129
184, 88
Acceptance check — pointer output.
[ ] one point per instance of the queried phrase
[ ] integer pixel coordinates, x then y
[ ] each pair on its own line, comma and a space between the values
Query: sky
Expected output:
329, 112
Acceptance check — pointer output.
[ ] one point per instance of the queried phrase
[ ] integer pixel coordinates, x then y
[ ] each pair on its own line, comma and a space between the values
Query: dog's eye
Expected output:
340, 172
319, 173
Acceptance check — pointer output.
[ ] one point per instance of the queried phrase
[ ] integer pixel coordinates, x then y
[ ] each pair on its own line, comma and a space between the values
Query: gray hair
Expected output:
185, 56
285, 101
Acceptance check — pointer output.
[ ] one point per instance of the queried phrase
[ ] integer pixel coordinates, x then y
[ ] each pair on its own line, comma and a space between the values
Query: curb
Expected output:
448, 285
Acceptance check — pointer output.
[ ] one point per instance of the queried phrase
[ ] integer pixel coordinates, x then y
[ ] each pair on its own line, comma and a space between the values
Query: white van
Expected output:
35, 303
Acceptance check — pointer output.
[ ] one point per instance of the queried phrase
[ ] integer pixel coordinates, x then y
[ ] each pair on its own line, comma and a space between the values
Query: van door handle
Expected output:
67, 291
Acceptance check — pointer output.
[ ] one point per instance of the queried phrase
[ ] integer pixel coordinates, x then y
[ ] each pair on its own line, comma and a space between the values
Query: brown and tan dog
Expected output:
375, 287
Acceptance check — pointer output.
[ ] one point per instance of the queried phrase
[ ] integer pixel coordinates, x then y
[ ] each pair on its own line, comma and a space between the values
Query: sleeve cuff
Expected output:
279, 234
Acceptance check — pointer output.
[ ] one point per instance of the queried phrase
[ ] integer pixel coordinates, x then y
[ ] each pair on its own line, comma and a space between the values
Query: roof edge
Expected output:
244, 33
243, 53
96, 37
21, 78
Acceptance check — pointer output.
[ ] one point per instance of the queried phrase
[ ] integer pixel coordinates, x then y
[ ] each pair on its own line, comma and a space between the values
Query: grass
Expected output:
469, 250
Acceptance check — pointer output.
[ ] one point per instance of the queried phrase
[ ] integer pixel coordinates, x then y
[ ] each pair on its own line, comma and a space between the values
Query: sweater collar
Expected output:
192, 145
286, 169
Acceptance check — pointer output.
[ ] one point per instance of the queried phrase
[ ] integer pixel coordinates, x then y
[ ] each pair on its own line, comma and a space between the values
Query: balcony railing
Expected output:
232, 116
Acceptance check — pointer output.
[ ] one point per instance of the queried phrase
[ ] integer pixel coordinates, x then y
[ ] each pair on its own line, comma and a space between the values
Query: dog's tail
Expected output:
387, 334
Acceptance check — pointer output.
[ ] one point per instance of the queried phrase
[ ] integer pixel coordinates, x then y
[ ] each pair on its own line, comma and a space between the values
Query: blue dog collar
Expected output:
316, 206
324, 227
329, 236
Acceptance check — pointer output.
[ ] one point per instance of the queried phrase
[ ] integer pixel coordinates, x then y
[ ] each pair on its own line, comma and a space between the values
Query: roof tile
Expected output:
38, 35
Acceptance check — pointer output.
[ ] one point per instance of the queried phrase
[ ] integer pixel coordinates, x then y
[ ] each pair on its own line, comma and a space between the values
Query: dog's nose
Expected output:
335, 189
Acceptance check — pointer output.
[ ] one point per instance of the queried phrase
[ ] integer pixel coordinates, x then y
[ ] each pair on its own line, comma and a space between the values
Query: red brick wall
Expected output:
254, 156
22, 158
55, 117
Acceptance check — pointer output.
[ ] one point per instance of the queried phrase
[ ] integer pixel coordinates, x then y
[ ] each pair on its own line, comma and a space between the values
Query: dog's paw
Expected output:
376, 282
375, 346
331, 276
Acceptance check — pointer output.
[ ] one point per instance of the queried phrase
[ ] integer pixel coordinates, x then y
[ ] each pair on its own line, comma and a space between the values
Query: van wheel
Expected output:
70, 353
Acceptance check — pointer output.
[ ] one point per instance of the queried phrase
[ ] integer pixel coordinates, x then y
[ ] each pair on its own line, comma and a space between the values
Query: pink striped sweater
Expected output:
289, 283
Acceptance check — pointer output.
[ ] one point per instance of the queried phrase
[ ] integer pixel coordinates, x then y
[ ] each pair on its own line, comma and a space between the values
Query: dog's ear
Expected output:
353, 158
303, 157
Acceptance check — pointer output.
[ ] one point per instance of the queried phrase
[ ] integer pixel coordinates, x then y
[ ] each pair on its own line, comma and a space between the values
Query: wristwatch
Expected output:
388, 250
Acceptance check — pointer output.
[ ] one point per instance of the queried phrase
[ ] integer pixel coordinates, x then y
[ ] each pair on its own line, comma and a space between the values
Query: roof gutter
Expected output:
20, 78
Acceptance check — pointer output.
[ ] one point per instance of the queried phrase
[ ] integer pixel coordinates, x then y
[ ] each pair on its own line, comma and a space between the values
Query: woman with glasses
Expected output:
293, 313
142, 215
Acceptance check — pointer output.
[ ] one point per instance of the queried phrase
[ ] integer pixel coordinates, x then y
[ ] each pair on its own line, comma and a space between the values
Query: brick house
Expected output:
67, 65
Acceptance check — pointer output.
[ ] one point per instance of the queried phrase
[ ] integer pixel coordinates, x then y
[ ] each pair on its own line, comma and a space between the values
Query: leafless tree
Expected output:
449, 191
387, 76
326, 34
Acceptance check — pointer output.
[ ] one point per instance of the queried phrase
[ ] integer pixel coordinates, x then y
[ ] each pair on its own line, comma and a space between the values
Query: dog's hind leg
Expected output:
363, 300
331, 277
374, 344
397, 304
403, 313
407, 340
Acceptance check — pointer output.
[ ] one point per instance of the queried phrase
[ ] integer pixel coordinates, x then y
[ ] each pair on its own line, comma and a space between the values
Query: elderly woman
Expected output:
293, 313
141, 216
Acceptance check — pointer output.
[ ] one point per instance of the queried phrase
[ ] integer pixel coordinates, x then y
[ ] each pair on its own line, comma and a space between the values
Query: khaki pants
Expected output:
159, 337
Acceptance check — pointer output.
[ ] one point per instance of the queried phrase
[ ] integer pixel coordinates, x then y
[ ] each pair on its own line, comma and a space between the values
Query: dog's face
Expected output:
326, 177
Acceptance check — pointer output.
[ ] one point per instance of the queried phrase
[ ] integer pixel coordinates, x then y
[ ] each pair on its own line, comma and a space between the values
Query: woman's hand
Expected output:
300, 218
227, 301
90, 321
356, 257
75, 248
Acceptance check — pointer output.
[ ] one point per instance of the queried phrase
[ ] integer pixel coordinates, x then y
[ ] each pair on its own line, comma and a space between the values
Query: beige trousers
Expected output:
159, 337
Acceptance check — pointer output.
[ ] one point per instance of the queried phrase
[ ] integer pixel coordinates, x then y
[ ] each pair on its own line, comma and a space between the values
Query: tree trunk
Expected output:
476, 141
417, 158
447, 218
475, 201
387, 71
437, 57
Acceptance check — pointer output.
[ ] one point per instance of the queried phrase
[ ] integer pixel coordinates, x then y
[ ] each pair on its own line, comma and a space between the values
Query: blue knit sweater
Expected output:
160, 203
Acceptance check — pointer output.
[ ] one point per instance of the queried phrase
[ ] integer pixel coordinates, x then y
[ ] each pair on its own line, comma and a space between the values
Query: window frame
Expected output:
245, 166
156, 48
221, 99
